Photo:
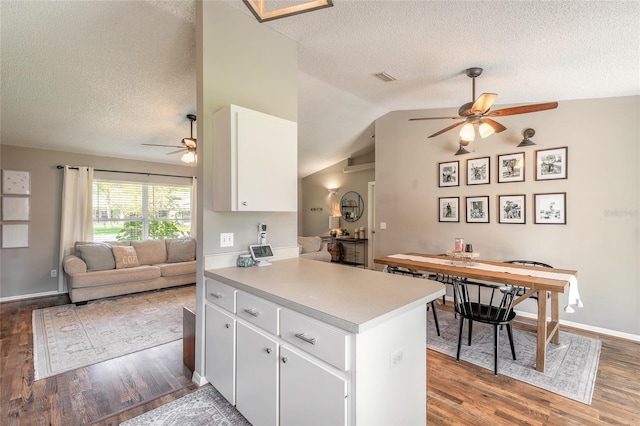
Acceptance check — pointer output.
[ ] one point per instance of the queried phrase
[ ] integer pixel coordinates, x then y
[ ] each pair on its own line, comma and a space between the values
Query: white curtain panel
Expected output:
76, 223
194, 206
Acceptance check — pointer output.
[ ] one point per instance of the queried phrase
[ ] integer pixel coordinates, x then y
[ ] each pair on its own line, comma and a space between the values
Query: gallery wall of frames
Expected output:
16, 188
512, 207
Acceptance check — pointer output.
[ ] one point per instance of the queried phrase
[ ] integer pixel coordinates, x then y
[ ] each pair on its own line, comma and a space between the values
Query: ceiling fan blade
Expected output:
176, 151
523, 109
168, 146
483, 103
446, 129
497, 127
435, 118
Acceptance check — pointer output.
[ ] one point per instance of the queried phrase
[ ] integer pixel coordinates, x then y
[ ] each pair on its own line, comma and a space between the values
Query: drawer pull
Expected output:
252, 312
269, 350
216, 295
285, 359
227, 325
311, 340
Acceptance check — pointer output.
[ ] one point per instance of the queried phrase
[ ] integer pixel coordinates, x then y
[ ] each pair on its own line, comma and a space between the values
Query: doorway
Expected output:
371, 222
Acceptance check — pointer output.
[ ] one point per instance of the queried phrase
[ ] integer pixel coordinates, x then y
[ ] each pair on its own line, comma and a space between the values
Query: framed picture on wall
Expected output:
478, 209
478, 171
511, 167
511, 208
15, 236
550, 208
16, 182
15, 208
551, 163
449, 209
448, 174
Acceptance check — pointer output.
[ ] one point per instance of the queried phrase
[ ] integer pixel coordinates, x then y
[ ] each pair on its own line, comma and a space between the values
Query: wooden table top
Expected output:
538, 283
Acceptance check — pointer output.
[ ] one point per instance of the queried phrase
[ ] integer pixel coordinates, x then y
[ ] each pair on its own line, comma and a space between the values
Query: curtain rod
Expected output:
131, 173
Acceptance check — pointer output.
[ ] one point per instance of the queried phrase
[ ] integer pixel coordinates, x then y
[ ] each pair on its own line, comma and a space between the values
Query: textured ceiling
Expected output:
104, 77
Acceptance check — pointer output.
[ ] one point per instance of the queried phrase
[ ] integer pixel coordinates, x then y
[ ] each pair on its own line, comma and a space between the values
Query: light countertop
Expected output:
353, 299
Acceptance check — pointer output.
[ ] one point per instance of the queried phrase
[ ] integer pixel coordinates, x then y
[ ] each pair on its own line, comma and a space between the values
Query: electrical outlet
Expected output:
383, 225
226, 239
395, 357
54, 273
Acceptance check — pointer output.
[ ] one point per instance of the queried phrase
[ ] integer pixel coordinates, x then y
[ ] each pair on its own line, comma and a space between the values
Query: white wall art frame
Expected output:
15, 208
16, 182
15, 236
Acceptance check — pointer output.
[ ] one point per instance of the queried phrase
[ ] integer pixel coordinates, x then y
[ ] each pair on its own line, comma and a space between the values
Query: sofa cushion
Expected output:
97, 256
180, 249
115, 276
176, 269
150, 252
125, 256
309, 244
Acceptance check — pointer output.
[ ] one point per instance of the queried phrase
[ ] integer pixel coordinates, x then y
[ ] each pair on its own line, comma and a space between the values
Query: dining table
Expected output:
546, 283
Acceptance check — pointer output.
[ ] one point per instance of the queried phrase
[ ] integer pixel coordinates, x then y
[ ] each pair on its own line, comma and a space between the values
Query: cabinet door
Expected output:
267, 162
220, 351
309, 393
257, 376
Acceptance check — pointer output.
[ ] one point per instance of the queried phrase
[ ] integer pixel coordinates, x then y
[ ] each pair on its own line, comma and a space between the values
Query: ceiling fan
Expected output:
478, 113
188, 146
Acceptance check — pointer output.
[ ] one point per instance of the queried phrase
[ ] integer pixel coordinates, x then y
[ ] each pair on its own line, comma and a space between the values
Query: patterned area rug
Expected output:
570, 369
203, 407
69, 336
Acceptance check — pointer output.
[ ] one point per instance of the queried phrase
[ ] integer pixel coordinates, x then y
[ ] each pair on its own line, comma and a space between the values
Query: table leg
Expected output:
541, 338
555, 317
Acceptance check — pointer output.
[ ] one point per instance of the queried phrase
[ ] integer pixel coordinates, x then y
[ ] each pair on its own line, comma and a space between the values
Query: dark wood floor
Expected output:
458, 393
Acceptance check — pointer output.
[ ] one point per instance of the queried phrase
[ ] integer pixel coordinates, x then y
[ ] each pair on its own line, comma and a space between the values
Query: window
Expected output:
137, 211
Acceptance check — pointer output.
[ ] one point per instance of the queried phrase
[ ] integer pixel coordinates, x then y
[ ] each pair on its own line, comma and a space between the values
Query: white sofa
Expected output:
314, 248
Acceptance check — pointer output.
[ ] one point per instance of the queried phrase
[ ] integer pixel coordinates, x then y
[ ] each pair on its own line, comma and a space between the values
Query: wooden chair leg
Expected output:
460, 337
435, 316
510, 333
496, 341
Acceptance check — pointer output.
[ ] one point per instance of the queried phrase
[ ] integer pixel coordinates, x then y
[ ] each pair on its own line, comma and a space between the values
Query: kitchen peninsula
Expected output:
307, 342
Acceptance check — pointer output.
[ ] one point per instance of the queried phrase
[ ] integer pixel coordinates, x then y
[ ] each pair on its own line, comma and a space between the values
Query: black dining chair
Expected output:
444, 279
404, 271
489, 304
523, 290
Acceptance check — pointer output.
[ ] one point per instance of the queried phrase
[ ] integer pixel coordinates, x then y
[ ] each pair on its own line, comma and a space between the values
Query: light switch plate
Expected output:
226, 239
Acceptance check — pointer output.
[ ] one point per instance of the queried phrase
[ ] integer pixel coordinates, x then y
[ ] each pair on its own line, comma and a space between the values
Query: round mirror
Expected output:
351, 206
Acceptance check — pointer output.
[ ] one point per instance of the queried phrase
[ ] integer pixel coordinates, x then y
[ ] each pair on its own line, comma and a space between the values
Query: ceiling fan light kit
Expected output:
477, 112
189, 145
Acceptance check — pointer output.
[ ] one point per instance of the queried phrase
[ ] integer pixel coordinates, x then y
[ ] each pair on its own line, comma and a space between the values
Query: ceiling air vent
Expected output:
385, 77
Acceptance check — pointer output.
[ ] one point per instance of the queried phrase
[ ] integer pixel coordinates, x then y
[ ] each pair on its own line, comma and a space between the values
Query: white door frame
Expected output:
371, 222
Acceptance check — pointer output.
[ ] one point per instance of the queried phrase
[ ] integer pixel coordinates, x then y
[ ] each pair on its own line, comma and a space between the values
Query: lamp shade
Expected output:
467, 133
485, 130
334, 222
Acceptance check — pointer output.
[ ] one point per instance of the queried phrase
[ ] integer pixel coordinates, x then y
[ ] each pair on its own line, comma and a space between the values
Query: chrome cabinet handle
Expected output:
244, 203
252, 312
216, 295
269, 350
285, 359
311, 340
227, 325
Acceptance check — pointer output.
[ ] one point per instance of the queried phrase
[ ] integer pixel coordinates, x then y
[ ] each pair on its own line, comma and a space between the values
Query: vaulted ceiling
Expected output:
103, 77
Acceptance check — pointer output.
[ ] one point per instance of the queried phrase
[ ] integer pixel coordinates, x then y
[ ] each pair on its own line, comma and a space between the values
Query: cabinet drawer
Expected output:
221, 295
321, 340
258, 311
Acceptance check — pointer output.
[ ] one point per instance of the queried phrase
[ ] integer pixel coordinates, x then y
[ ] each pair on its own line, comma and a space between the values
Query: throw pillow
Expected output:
125, 256
97, 256
150, 252
181, 250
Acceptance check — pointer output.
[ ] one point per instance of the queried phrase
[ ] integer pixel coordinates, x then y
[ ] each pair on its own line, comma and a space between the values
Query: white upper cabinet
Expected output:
255, 161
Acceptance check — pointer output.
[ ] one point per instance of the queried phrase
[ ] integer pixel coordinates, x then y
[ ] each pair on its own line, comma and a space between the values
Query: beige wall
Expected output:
27, 271
601, 238
314, 195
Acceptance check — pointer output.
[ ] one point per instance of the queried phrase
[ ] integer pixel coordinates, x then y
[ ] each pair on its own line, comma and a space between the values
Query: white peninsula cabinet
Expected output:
319, 343
255, 161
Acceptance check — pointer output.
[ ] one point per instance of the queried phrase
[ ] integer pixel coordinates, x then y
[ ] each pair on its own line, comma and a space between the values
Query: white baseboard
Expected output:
31, 296
198, 379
